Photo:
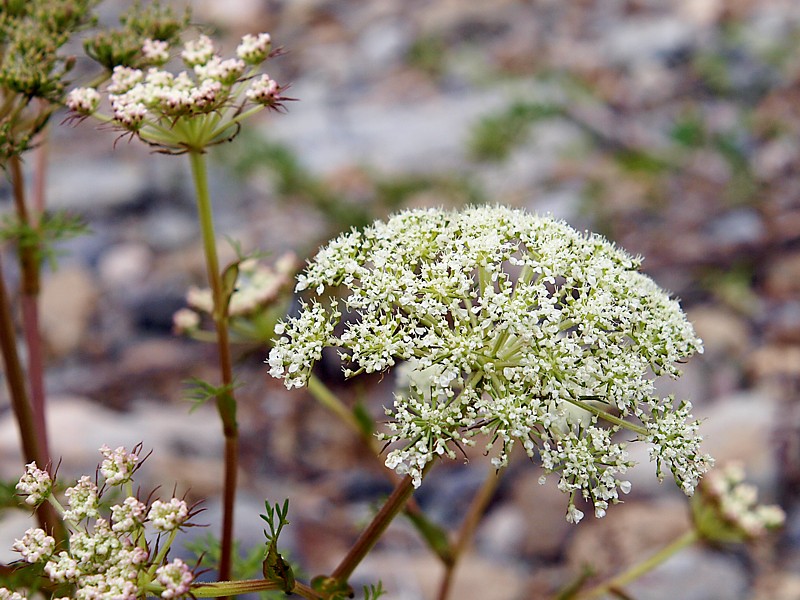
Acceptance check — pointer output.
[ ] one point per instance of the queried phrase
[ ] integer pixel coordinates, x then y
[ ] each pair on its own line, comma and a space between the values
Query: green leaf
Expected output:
199, 391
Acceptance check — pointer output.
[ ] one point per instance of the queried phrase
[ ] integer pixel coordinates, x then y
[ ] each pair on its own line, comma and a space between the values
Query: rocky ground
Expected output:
671, 128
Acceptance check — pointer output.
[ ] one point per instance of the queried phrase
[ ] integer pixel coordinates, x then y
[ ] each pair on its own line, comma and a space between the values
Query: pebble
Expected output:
67, 304
79, 426
124, 266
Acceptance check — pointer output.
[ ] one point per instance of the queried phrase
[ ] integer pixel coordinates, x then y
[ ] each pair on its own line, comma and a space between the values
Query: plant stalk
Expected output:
226, 403
632, 574
29, 439
476, 510
29, 263
369, 537
248, 586
434, 536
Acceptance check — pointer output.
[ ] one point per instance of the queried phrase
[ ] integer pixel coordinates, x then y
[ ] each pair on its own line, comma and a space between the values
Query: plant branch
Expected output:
15, 380
476, 510
369, 537
218, 589
615, 584
434, 536
29, 263
226, 403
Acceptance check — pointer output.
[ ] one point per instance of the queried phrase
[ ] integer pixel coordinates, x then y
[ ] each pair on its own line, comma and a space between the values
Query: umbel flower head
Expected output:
512, 325
190, 110
259, 296
727, 510
122, 555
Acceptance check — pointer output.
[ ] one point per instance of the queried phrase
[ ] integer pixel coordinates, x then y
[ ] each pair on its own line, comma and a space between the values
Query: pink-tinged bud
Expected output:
254, 49
83, 101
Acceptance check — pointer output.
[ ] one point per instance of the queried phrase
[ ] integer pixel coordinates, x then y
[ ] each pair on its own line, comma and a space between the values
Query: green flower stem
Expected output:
368, 538
28, 253
329, 400
162, 554
476, 510
608, 417
247, 586
226, 403
15, 380
632, 574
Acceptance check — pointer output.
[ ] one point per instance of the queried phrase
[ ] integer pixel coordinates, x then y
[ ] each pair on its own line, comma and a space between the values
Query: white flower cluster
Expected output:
513, 325
108, 558
194, 108
35, 484
728, 510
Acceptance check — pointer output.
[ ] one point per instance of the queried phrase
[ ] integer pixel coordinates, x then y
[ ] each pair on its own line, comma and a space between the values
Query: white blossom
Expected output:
198, 52
35, 484
155, 51
176, 577
83, 500
190, 110
512, 325
254, 49
264, 90
83, 101
167, 516
129, 515
35, 545
733, 505
118, 465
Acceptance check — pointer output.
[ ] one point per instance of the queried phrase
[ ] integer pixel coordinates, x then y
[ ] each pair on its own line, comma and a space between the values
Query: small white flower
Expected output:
129, 515
155, 51
6, 594
83, 500
254, 49
167, 516
83, 101
124, 79
198, 52
176, 577
185, 320
264, 90
35, 545
35, 484
224, 71
118, 465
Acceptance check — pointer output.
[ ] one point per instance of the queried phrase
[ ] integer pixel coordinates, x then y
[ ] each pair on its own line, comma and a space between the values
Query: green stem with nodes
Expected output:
617, 583
608, 417
226, 403
476, 510
218, 589
369, 537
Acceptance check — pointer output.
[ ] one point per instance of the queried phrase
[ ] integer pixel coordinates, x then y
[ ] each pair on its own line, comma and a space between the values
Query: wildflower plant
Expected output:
119, 553
185, 113
515, 327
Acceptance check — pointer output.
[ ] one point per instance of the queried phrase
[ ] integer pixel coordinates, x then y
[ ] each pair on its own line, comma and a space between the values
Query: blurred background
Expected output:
671, 128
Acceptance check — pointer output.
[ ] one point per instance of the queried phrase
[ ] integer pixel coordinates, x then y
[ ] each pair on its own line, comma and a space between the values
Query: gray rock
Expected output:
646, 38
